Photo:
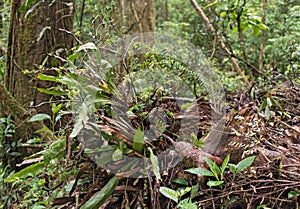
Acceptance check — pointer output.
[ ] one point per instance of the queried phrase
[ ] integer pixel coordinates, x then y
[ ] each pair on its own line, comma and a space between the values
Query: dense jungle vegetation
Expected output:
149, 104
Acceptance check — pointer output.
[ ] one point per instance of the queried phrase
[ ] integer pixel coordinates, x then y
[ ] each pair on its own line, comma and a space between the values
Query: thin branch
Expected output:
222, 44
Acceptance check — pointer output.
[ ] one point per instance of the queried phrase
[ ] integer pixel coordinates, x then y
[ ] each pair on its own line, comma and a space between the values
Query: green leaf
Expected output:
267, 112
31, 170
55, 108
34, 141
56, 150
264, 206
183, 190
39, 117
51, 91
213, 167
262, 106
38, 207
214, 183
188, 206
44, 77
72, 57
244, 164
97, 200
169, 193
80, 120
86, 46
200, 171
25, 5
274, 102
232, 167
180, 181
224, 164
223, 14
211, 4
117, 155
292, 194
138, 140
269, 102
154, 162
195, 189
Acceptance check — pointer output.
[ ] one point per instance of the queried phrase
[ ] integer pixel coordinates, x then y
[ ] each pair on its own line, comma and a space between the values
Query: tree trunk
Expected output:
140, 16
34, 37
9, 105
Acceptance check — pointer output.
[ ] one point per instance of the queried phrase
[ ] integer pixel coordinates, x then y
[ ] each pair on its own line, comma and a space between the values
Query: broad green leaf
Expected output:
31, 170
97, 200
138, 140
180, 181
39, 117
154, 162
214, 183
200, 171
169, 193
245, 163
56, 150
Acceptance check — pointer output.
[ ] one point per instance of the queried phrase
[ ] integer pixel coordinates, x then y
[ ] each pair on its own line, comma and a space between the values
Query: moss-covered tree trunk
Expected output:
34, 36
37, 34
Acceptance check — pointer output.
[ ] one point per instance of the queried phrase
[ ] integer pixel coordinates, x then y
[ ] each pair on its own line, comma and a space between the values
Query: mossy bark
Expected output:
10, 106
33, 37
36, 35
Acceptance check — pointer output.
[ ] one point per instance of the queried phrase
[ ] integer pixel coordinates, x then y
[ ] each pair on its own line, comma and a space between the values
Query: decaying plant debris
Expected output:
270, 180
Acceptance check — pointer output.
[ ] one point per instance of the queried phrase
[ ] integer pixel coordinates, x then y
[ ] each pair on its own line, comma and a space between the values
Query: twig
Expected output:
222, 44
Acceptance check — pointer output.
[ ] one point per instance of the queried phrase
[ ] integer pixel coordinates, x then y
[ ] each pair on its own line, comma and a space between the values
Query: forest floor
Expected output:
265, 124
